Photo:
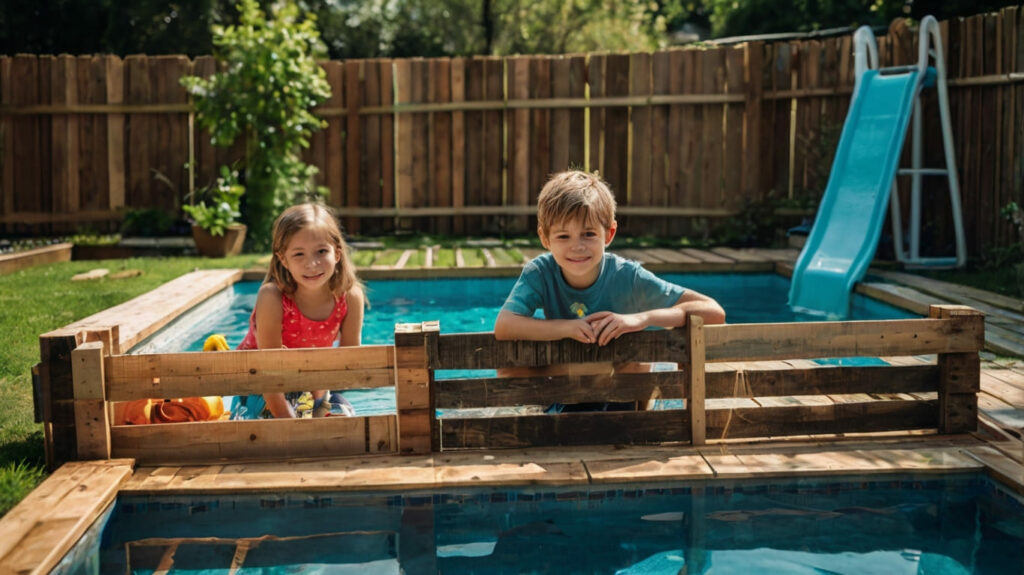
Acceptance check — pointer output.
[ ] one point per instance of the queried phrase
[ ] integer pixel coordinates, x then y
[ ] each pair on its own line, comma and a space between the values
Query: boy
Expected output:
586, 294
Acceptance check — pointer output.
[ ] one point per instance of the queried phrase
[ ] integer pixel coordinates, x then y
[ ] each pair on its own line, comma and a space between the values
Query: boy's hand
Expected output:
608, 326
578, 329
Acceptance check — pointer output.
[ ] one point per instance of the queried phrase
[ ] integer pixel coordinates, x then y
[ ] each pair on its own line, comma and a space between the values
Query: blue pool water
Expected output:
954, 525
464, 305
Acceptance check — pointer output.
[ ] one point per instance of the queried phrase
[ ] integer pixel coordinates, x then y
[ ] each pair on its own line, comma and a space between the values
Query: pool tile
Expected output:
649, 468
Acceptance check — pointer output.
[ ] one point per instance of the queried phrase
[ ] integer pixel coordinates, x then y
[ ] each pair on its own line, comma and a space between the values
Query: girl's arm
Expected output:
268, 316
352, 325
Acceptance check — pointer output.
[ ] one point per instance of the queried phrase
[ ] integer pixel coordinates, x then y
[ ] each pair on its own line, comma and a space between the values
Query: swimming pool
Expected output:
464, 305
956, 524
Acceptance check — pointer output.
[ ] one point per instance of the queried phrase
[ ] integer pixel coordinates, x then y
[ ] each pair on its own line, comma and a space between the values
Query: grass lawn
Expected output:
40, 299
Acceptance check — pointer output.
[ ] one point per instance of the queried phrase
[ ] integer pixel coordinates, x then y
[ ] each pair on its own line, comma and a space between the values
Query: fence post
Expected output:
959, 373
92, 424
414, 396
695, 379
57, 391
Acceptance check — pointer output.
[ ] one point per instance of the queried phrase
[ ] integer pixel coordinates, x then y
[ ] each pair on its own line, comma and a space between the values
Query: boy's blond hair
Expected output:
575, 195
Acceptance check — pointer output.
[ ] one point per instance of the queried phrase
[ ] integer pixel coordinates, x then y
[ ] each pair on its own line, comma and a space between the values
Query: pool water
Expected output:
465, 305
956, 524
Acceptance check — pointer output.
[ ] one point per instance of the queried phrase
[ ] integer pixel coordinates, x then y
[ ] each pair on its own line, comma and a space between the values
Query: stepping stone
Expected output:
125, 274
90, 275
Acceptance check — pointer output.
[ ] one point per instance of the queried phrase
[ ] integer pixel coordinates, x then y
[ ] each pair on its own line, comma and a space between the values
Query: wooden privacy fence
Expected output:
463, 145
720, 403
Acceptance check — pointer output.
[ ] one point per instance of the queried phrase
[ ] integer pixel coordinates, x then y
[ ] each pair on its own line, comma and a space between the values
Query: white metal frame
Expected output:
929, 45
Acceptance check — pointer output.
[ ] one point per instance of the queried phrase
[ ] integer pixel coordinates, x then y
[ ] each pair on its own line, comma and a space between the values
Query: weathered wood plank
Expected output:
238, 372
213, 441
754, 342
482, 351
640, 427
822, 419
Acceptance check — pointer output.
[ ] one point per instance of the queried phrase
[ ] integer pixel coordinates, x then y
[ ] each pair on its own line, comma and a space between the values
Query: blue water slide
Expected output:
849, 222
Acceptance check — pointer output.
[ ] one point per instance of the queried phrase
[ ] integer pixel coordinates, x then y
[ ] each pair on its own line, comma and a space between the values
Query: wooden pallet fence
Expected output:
766, 396
101, 380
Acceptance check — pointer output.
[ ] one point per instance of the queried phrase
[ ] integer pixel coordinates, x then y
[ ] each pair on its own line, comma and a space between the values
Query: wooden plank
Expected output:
707, 256
212, 441
596, 85
353, 157
545, 390
92, 423
64, 134
540, 134
458, 72
822, 419
822, 380
332, 173
519, 137
692, 129
388, 149
616, 128
440, 137
404, 192
959, 377
414, 396
753, 63
695, 384
755, 342
44, 526
142, 316
493, 184
643, 427
482, 351
660, 137
7, 99
238, 372
371, 192
640, 84
474, 127
732, 149
561, 127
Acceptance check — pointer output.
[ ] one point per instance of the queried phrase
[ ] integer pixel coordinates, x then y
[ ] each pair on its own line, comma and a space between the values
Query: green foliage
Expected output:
147, 222
224, 197
759, 223
16, 481
265, 92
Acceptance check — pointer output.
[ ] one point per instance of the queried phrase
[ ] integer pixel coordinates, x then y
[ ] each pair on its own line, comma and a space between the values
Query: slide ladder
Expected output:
862, 184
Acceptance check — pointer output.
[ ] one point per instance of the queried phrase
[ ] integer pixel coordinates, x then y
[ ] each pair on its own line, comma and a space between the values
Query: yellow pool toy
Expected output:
216, 342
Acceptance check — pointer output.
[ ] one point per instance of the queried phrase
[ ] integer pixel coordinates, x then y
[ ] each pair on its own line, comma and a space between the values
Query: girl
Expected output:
310, 298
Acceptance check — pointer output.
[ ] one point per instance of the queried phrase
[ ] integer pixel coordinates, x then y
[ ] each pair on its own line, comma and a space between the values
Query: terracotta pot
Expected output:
211, 246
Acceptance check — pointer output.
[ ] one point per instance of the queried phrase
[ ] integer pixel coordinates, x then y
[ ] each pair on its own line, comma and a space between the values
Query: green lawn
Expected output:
40, 299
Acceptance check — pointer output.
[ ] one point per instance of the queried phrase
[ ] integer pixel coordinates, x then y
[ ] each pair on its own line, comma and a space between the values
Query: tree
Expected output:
265, 92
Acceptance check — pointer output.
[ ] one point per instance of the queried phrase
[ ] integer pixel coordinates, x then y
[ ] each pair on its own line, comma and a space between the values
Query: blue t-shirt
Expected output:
623, 286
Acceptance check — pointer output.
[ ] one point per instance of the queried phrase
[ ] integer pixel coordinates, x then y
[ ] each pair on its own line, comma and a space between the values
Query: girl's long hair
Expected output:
319, 218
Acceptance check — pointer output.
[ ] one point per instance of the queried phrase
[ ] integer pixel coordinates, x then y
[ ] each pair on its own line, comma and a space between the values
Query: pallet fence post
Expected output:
414, 396
92, 423
959, 373
695, 379
57, 394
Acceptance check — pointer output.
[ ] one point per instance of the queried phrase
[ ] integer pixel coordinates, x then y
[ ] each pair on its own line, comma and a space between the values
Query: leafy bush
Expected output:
265, 92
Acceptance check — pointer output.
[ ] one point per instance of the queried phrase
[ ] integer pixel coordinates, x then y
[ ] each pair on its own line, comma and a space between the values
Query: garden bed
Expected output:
19, 260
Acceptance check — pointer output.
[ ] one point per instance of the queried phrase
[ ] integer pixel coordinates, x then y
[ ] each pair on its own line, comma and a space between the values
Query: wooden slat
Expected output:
822, 419
212, 441
482, 351
50, 520
540, 134
695, 385
512, 391
458, 71
822, 380
440, 137
519, 136
754, 342
237, 372
640, 84
642, 427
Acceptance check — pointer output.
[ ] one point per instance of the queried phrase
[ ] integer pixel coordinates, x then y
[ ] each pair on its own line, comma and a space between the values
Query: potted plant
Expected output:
215, 226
